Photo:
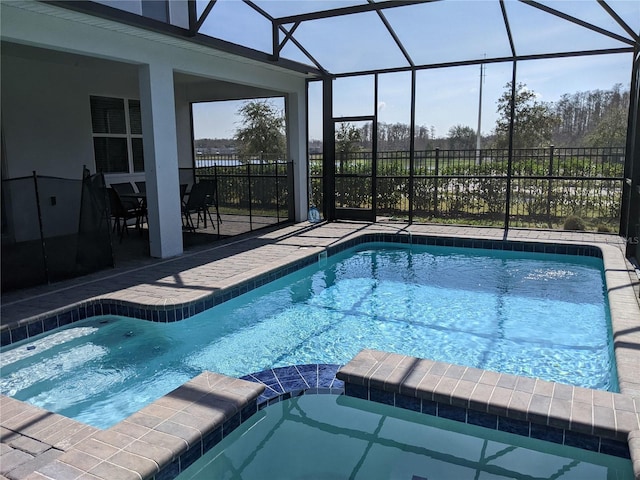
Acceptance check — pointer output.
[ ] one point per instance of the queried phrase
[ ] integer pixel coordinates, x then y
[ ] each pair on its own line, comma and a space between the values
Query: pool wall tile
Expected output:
5, 337
211, 439
310, 374
19, 333
35, 328
380, 396
548, 434
337, 385
429, 407
581, 440
64, 319
357, 391
247, 411
482, 419
231, 424
546, 417
408, 403
452, 412
512, 425
615, 448
170, 471
190, 456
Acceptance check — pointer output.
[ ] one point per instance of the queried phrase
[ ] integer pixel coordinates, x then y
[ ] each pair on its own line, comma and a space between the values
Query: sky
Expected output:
444, 97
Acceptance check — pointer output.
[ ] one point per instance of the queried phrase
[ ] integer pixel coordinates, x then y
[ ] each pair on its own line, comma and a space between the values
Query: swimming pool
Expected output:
529, 314
331, 437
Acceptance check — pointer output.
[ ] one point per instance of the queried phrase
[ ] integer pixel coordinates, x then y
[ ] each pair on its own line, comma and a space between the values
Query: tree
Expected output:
393, 136
262, 130
348, 139
534, 120
611, 130
461, 138
596, 118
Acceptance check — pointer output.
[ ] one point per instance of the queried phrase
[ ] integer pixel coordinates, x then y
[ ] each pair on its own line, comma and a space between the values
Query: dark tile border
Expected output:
280, 384
208, 441
495, 422
283, 383
173, 313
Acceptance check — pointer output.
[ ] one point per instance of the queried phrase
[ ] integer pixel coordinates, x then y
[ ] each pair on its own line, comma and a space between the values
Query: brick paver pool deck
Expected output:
153, 442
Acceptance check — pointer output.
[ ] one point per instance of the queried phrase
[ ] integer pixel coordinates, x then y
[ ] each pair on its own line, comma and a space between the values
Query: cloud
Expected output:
381, 106
537, 95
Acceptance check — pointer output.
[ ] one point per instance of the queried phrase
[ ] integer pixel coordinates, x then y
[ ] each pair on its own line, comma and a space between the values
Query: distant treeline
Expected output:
593, 118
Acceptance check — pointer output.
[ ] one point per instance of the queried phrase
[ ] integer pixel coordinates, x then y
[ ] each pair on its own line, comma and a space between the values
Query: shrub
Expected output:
574, 223
603, 228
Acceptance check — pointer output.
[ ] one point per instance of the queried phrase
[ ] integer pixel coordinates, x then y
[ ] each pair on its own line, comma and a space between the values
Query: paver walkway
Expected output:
197, 273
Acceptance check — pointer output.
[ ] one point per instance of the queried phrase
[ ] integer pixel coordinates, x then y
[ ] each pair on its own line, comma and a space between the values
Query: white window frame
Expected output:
128, 136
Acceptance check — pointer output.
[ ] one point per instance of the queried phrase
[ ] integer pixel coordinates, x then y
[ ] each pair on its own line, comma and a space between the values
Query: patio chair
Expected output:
183, 193
212, 198
121, 212
200, 199
123, 188
141, 186
131, 199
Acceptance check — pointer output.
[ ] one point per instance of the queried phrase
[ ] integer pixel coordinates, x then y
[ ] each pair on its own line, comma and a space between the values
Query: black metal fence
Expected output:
540, 189
53, 228
259, 189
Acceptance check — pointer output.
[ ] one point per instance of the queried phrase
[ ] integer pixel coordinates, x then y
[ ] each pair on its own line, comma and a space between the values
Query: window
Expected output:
117, 135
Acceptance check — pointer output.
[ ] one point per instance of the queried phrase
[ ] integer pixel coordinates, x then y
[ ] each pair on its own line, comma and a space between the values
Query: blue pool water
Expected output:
536, 315
328, 437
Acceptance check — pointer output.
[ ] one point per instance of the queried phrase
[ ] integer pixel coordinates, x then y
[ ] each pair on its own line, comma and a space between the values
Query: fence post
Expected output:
550, 186
249, 191
291, 204
436, 182
42, 241
277, 194
217, 199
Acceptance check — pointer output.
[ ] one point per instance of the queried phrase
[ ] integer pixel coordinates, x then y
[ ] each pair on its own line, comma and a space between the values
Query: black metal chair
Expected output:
122, 212
132, 199
201, 198
183, 192
141, 186
123, 188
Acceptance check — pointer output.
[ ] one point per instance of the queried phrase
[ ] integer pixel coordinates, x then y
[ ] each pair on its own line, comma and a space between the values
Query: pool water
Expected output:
339, 437
535, 315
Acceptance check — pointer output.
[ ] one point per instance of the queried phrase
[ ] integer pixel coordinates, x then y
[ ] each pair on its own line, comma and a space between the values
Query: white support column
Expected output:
161, 160
296, 111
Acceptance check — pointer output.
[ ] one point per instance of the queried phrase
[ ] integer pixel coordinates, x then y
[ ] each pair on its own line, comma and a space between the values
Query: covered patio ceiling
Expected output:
351, 37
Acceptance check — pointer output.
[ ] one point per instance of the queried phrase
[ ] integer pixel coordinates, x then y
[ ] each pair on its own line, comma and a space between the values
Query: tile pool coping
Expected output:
594, 420
164, 438
625, 315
